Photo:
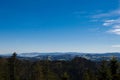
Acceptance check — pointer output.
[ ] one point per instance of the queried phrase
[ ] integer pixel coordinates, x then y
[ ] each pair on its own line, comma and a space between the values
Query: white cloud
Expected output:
108, 22
110, 19
117, 26
115, 31
108, 14
114, 25
116, 46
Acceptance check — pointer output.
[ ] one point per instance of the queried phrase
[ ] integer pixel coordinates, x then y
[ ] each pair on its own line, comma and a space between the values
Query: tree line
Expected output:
79, 68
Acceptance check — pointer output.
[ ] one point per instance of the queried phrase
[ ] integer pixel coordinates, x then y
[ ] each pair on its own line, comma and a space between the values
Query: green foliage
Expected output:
114, 66
104, 72
89, 75
65, 76
12, 63
78, 69
37, 72
86, 75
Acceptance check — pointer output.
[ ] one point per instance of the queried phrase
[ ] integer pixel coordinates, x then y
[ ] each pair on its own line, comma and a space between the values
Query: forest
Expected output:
79, 68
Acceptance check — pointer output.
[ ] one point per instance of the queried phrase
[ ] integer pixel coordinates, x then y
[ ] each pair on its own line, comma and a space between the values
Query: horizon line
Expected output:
62, 52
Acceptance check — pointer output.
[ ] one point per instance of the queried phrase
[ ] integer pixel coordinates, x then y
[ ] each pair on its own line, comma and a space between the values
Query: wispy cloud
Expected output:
116, 46
108, 14
115, 31
114, 24
112, 21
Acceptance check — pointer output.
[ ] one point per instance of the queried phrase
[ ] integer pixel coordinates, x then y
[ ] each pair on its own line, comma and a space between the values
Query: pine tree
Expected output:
37, 72
46, 68
48, 73
114, 68
86, 75
65, 76
3, 69
104, 72
11, 65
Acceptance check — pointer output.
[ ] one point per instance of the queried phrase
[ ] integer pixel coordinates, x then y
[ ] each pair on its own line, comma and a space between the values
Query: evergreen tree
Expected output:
37, 72
114, 68
11, 65
48, 73
3, 69
86, 75
65, 76
104, 72
46, 68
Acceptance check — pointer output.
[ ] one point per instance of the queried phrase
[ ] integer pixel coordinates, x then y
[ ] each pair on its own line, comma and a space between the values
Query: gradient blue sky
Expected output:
59, 26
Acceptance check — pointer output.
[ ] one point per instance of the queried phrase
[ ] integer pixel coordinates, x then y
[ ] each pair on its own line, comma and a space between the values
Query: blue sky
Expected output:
59, 26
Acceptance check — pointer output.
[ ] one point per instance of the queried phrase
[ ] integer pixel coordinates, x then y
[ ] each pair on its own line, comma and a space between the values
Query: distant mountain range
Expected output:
66, 56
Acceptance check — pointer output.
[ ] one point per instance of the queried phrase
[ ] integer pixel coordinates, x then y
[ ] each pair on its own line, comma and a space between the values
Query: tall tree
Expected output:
86, 75
104, 72
12, 62
3, 69
37, 72
114, 68
65, 76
